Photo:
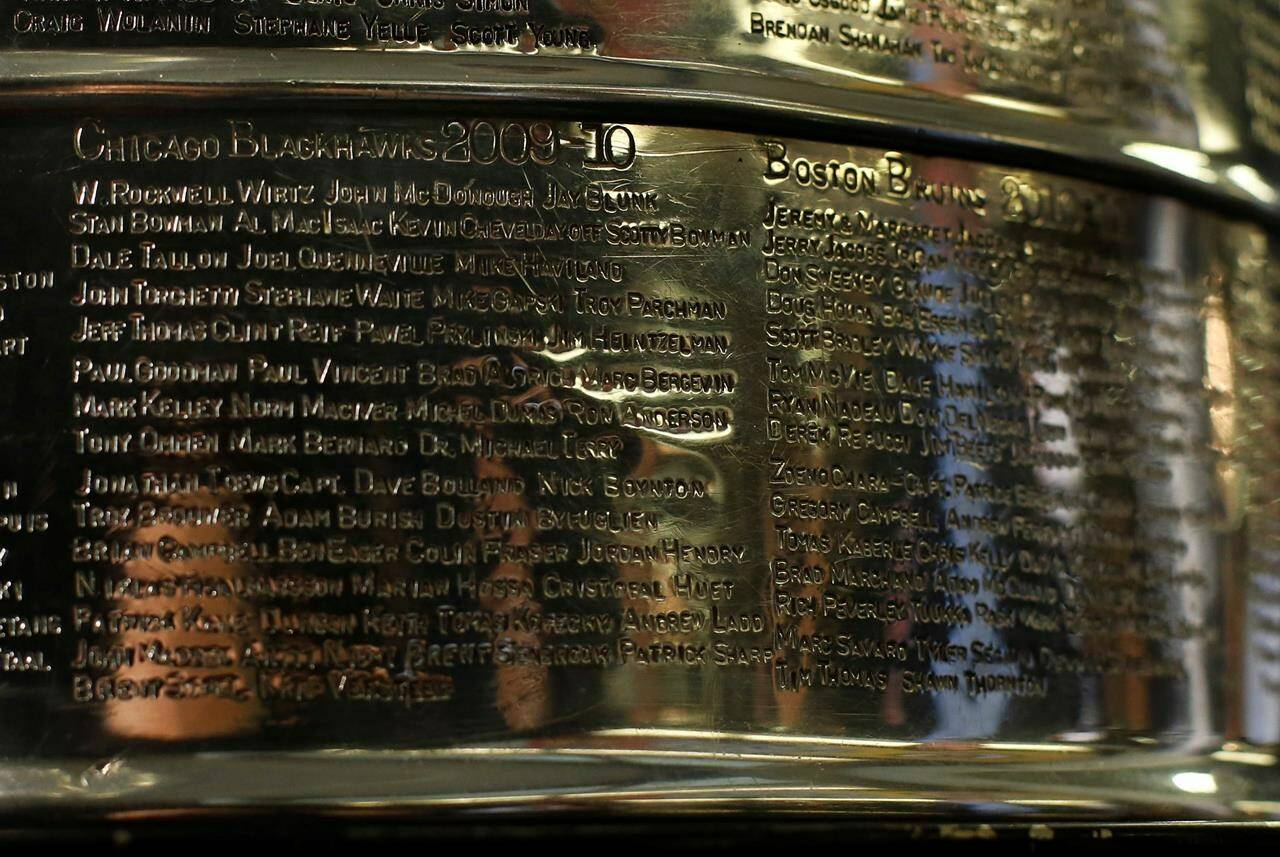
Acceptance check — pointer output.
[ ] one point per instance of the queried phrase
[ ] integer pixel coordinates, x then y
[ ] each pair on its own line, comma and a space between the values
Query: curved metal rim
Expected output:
514, 780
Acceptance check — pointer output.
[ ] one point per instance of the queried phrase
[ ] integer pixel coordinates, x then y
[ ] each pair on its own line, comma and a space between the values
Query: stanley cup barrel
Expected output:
432, 410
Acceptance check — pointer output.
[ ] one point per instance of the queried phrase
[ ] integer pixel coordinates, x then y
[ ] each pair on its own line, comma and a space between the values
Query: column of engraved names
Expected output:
409, 415
954, 460
855, 300
30, 626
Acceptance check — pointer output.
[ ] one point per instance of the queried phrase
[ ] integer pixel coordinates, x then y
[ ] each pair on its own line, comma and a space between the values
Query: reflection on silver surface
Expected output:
442, 462
1113, 61
1178, 90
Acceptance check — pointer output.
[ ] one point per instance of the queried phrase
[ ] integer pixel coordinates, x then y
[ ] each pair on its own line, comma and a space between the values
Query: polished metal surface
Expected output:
1110, 61
441, 463
1177, 92
439, 408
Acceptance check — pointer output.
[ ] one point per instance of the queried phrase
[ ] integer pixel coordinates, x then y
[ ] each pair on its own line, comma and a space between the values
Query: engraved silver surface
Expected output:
1119, 62
440, 462
1177, 91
